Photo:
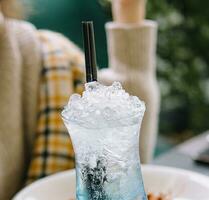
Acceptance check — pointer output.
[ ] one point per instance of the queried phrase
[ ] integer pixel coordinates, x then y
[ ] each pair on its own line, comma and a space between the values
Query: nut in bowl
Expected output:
158, 197
161, 183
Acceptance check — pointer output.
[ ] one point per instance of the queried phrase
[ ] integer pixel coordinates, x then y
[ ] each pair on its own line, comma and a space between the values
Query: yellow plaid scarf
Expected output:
62, 75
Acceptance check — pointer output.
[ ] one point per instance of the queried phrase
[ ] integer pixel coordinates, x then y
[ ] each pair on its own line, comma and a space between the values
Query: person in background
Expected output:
39, 70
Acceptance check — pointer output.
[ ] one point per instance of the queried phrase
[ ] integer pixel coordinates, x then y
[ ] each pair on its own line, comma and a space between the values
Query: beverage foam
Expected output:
101, 106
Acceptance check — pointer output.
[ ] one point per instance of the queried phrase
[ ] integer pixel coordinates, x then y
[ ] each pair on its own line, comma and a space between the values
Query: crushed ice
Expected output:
101, 105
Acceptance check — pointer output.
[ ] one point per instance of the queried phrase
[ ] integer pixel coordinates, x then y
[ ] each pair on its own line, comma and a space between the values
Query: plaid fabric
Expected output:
62, 75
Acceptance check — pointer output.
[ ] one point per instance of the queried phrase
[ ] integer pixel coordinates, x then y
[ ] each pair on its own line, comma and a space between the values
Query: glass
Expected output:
107, 160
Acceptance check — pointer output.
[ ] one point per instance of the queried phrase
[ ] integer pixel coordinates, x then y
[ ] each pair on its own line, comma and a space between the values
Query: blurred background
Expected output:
183, 55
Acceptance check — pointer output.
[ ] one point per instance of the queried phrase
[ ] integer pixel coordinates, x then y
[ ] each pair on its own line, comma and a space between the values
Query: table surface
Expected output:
182, 155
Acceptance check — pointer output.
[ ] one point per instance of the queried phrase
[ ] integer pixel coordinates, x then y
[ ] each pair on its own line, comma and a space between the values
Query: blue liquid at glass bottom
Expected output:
95, 184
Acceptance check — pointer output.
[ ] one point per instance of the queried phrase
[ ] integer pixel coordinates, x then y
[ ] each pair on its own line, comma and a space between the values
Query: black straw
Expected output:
90, 51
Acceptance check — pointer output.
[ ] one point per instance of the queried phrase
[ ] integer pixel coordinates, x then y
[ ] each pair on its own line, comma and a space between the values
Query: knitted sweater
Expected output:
19, 71
20, 66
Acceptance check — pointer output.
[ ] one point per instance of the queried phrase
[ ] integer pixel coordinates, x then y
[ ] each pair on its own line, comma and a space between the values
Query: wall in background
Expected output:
65, 16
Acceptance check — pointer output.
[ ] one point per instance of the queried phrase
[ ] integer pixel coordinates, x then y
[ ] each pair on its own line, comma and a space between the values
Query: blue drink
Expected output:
105, 137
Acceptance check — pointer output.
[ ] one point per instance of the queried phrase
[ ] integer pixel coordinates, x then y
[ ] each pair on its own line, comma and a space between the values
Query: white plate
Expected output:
184, 185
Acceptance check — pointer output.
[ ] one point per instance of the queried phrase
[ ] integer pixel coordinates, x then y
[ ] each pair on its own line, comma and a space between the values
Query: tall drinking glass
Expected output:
107, 154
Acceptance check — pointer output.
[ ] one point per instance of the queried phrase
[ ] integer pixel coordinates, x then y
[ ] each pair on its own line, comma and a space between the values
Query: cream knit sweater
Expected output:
132, 61
19, 75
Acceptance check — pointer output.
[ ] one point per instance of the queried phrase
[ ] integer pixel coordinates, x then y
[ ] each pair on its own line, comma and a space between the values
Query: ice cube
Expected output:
117, 85
75, 97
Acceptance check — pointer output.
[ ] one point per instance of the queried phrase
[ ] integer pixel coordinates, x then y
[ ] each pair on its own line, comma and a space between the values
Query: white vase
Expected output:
132, 61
